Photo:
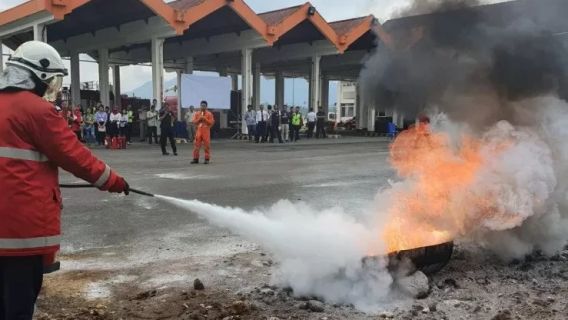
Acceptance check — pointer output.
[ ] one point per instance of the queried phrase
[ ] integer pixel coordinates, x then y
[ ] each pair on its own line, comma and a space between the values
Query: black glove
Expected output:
126, 188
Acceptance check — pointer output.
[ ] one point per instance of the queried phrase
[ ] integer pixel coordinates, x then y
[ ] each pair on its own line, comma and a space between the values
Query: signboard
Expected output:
215, 90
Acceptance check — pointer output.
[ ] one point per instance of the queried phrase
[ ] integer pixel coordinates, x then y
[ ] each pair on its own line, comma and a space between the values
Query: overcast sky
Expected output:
134, 76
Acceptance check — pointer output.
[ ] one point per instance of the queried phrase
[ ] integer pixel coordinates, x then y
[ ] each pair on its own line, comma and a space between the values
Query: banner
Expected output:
215, 90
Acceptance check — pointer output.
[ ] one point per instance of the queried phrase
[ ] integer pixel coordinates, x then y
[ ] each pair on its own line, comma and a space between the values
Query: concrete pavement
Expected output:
110, 232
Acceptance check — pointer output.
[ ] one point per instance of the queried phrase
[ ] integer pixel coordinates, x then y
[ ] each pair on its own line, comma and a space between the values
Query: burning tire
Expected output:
430, 259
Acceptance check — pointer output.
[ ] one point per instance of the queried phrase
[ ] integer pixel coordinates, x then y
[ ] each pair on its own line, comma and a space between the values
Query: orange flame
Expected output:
435, 206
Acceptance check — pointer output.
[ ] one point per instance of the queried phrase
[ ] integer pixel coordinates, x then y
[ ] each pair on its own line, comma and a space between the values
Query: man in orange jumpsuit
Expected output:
203, 121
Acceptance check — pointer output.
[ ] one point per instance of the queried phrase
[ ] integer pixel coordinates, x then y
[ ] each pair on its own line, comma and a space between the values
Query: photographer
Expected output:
167, 119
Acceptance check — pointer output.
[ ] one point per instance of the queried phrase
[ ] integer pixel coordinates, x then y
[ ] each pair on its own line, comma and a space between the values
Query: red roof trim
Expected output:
60, 8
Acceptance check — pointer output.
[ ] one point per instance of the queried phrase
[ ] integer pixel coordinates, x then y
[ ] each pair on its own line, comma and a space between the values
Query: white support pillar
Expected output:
315, 87
104, 86
75, 79
246, 78
234, 82
178, 92
188, 65
40, 32
116, 86
398, 118
325, 95
1, 56
158, 71
360, 109
371, 119
279, 83
256, 85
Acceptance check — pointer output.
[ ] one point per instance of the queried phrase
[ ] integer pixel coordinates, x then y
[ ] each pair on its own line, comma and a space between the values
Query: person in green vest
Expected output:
297, 123
130, 115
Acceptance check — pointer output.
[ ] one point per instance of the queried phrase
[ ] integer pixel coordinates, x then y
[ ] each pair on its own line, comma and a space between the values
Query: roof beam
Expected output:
222, 43
348, 58
130, 33
295, 52
200, 47
25, 24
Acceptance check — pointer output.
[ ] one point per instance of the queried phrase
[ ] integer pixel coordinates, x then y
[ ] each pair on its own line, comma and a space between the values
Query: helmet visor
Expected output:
53, 87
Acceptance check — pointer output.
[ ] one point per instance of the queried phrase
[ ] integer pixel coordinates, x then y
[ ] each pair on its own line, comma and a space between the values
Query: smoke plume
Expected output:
493, 80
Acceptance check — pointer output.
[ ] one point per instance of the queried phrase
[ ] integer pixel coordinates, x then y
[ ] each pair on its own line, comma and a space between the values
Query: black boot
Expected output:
195, 161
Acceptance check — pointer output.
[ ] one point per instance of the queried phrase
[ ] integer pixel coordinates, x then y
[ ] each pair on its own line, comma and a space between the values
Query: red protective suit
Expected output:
34, 141
203, 121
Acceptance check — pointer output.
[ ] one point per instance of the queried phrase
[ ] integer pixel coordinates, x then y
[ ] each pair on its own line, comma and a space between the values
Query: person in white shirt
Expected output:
189, 122
124, 123
261, 120
250, 119
152, 119
311, 118
143, 123
114, 122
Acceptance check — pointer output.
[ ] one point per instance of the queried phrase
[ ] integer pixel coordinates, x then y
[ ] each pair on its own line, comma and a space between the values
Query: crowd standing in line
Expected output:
283, 124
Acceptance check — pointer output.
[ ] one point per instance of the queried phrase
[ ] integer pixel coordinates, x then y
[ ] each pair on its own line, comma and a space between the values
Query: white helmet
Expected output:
42, 60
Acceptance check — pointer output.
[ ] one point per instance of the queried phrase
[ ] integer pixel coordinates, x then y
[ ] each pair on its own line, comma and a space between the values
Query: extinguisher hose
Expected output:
86, 186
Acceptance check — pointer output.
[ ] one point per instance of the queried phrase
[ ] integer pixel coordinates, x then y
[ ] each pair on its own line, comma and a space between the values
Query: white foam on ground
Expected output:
146, 203
97, 291
183, 176
332, 184
102, 289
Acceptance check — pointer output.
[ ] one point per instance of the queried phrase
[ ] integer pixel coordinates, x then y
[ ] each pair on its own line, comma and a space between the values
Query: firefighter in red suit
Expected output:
34, 141
203, 121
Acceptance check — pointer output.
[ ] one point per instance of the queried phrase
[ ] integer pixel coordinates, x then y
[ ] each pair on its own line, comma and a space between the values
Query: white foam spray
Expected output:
319, 253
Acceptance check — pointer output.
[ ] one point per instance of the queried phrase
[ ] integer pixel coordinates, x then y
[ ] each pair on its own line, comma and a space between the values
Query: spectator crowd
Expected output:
94, 124
283, 124
97, 125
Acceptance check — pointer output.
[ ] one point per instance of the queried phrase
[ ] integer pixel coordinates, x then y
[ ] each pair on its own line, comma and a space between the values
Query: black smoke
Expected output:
461, 49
